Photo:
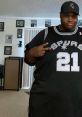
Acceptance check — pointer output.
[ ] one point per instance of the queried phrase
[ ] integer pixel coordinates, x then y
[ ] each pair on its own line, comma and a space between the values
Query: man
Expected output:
57, 89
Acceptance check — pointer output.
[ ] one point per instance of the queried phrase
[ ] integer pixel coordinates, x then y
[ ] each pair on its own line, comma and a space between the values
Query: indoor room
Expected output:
20, 22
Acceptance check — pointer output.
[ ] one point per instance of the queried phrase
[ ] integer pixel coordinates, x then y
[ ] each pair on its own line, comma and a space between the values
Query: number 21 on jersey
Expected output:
67, 62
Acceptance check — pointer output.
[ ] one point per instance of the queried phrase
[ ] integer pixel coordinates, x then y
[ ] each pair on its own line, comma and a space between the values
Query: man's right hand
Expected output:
39, 51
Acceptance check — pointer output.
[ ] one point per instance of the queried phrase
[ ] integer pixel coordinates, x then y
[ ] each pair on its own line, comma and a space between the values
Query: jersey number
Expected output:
67, 62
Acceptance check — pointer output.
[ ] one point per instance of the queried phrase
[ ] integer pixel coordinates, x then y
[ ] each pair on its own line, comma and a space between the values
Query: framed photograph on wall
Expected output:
33, 23
8, 39
20, 23
1, 26
47, 23
80, 22
19, 33
7, 50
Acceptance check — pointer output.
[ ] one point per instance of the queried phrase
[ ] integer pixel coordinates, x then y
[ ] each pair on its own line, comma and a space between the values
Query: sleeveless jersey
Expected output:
58, 74
61, 65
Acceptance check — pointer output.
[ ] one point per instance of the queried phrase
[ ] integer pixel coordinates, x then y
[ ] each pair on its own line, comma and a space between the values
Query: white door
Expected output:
28, 70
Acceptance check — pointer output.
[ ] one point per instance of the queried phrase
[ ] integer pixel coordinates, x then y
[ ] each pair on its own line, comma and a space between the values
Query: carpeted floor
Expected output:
13, 104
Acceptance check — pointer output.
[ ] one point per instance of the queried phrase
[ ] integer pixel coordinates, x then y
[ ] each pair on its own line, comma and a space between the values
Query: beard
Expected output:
68, 27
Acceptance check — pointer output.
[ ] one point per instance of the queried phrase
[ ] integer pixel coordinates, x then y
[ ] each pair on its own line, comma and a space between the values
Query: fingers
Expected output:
46, 48
45, 44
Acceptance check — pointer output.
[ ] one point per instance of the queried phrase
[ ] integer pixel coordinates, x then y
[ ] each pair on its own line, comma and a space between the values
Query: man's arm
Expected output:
35, 52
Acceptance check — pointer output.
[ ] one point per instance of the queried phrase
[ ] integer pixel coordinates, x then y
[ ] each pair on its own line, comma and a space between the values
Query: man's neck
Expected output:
62, 29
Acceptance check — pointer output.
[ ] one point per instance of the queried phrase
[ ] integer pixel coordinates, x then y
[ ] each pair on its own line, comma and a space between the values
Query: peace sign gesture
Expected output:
40, 50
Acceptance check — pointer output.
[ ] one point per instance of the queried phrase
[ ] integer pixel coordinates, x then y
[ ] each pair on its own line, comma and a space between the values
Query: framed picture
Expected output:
80, 22
33, 23
20, 23
1, 26
7, 50
19, 33
8, 39
47, 23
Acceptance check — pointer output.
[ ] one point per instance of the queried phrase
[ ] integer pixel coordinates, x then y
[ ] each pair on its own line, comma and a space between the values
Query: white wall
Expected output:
11, 29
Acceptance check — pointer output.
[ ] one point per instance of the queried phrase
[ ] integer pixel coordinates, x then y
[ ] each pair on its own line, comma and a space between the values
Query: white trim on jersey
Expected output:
45, 34
65, 33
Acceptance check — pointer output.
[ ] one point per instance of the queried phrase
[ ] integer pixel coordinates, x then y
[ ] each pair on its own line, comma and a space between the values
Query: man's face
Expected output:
68, 21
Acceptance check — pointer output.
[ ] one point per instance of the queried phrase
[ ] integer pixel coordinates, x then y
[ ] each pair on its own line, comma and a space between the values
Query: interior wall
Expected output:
11, 29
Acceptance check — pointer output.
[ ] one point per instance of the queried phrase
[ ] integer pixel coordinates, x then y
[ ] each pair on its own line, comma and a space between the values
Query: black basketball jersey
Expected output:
59, 72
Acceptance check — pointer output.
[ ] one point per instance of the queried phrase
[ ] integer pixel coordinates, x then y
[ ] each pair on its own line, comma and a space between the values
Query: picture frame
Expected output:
20, 23
8, 39
19, 33
47, 23
33, 23
1, 26
80, 22
7, 50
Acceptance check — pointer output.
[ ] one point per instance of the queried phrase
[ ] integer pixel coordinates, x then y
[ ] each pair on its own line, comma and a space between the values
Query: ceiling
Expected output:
33, 8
